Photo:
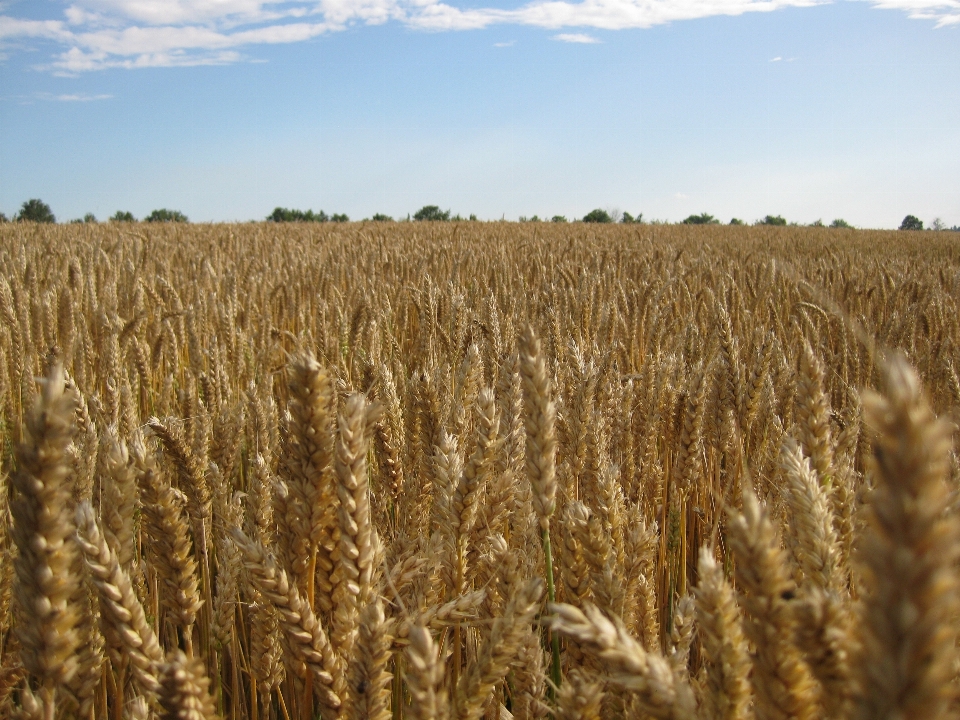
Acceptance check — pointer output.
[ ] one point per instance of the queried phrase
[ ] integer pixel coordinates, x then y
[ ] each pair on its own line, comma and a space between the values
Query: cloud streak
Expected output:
98, 34
581, 38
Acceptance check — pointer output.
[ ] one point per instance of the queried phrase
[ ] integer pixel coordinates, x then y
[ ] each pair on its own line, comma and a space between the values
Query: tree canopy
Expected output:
773, 220
701, 219
911, 222
597, 216
431, 213
164, 215
36, 210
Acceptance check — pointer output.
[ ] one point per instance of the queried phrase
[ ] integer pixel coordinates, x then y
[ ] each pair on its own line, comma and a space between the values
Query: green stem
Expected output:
552, 597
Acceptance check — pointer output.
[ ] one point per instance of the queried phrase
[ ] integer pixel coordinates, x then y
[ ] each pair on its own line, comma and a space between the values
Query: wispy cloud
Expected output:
73, 97
776, 59
511, 43
98, 34
576, 38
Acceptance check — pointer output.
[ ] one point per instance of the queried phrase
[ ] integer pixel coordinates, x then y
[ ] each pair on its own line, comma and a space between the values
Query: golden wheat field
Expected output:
447, 471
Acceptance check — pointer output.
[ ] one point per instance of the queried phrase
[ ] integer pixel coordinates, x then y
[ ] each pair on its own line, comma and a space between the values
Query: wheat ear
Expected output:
498, 650
782, 681
579, 698
368, 673
424, 676
124, 621
43, 531
306, 638
726, 691
357, 543
661, 691
908, 555
184, 689
540, 416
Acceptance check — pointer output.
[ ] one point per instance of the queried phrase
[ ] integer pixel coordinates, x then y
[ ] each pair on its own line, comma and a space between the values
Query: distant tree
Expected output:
164, 215
3, 218
558, 218
629, 219
35, 210
938, 225
473, 218
380, 217
842, 224
90, 218
123, 216
282, 214
817, 223
339, 217
701, 219
431, 213
737, 221
773, 220
597, 216
911, 222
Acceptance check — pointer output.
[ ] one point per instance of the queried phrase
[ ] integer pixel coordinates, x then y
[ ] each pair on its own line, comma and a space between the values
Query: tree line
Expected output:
35, 210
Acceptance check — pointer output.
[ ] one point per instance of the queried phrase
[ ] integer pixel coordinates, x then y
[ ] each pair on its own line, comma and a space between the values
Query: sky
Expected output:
225, 109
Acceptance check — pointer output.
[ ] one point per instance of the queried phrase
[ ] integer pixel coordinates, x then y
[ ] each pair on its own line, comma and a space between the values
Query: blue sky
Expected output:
224, 109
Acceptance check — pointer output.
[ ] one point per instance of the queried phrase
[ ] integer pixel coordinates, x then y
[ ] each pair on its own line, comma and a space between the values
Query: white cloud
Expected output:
945, 12
511, 43
576, 38
776, 59
96, 34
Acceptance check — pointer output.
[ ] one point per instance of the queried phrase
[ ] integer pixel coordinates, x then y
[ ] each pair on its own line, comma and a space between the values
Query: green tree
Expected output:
164, 215
281, 214
842, 224
122, 216
339, 217
911, 222
737, 221
380, 217
558, 218
597, 216
431, 213
701, 219
35, 210
90, 218
629, 219
472, 218
3, 218
773, 220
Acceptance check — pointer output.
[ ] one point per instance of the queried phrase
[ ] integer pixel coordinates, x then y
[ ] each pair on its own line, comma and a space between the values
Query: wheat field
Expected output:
450, 471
